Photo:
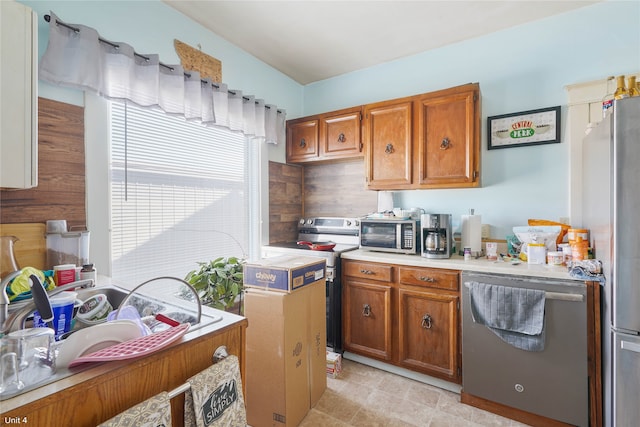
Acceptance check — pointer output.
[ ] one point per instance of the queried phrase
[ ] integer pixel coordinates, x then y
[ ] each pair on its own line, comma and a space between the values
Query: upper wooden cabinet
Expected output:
329, 136
388, 135
19, 101
448, 140
424, 141
302, 140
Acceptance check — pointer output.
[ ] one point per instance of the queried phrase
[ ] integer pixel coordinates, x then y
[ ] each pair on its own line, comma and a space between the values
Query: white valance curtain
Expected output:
77, 56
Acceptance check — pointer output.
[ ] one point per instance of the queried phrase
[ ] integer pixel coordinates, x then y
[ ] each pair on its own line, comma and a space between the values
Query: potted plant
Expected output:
219, 283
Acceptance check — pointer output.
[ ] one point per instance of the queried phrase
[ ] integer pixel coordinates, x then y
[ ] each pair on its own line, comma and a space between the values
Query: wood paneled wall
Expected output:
60, 193
285, 201
328, 189
337, 189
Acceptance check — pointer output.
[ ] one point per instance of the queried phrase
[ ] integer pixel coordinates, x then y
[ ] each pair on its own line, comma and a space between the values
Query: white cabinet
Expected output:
18, 96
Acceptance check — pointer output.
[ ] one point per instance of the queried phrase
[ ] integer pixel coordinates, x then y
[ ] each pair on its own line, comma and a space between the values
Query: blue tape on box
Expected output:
284, 273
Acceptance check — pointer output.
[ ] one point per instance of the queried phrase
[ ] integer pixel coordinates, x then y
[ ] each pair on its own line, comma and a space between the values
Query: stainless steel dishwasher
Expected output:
552, 382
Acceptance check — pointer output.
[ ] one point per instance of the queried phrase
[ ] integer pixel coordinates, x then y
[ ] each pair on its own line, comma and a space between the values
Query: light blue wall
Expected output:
518, 69
150, 26
523, 68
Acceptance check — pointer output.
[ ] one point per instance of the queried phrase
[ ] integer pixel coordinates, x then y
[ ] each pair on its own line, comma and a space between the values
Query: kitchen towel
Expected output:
516, 315
153, 412
215, 396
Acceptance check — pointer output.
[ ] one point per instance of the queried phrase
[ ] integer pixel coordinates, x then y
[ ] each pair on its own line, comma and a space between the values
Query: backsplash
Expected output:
60, 193
337, 189
285, 201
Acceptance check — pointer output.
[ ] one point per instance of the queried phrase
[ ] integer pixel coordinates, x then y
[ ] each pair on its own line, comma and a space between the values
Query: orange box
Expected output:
286, 354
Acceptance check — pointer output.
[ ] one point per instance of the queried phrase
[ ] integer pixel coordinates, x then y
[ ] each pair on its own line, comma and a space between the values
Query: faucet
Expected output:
7, 321
4, 298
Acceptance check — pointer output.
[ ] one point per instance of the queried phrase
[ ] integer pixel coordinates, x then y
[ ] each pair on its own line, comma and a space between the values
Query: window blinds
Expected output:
179, 194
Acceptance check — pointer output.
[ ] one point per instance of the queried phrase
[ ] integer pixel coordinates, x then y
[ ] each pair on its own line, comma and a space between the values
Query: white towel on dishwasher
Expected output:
215, 397
516, 315
153, 412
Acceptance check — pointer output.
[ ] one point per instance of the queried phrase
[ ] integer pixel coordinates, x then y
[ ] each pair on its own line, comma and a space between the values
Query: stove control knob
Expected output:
348, 221
309, 221
356, 223
301, 221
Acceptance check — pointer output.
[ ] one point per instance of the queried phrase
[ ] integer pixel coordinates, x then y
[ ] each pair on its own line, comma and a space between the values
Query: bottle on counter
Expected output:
579, 249
607, 100
89, 272
621, 91
633, 86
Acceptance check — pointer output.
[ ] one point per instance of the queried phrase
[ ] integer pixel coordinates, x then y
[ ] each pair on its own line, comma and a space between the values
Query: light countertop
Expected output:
457, 262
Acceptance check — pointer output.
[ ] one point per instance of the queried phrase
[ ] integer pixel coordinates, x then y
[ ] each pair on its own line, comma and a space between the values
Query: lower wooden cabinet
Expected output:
405, 316
367, 325
104, 390
428, 332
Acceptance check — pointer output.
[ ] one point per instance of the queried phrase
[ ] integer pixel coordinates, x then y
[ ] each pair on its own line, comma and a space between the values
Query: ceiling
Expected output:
315, 40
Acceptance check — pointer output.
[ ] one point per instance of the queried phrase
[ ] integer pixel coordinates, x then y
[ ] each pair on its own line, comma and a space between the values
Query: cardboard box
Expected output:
334, 364
284, 273
286, 333
317, 339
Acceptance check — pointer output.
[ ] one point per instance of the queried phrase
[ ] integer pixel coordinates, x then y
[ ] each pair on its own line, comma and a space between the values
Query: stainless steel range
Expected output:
325, 231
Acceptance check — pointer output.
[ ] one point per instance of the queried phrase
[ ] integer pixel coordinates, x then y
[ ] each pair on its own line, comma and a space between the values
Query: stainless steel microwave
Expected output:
390, 235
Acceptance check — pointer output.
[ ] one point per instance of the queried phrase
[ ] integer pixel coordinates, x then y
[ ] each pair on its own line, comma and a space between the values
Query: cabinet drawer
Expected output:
430, 277
368, 271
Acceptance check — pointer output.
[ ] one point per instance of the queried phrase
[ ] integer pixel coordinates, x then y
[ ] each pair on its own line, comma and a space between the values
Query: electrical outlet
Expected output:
485, 231
564, 220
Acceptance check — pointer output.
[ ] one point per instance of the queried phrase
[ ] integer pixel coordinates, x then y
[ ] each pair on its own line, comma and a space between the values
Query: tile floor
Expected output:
368, 397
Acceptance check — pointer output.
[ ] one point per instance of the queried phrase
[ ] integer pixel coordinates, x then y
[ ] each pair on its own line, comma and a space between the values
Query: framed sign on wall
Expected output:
525, 128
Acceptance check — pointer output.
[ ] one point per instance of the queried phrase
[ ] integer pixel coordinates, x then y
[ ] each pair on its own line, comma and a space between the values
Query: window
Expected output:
180, 194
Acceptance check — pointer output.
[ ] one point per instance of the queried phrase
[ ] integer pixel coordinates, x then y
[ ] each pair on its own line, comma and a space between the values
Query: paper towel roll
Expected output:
385, 201
472, 232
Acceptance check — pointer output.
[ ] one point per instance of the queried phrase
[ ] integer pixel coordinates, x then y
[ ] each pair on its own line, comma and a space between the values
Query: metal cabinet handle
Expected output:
220, 354
445, 144
342, 138
426, 321
303, 143
366, 310
389, 149
427, 279
363, 271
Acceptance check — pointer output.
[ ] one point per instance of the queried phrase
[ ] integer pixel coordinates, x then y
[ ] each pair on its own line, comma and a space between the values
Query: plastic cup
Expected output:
62, 305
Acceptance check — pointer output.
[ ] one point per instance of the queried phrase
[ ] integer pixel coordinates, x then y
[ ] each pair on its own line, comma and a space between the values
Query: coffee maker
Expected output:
436, 235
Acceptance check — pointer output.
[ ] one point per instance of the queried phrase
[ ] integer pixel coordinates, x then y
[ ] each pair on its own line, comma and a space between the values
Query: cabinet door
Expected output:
449, 139
367, 319
428, 333
19, 101
388, 137
341, 135
302, 140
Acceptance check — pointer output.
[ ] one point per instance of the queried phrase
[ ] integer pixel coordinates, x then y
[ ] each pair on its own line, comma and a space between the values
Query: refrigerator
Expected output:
611, 211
